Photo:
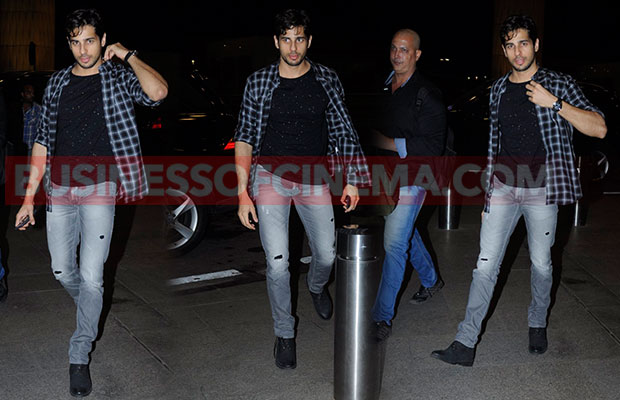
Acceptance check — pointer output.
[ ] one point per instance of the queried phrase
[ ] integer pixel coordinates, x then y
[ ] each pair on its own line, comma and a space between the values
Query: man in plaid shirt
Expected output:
531, 170
294, 108
88, 114
31, 114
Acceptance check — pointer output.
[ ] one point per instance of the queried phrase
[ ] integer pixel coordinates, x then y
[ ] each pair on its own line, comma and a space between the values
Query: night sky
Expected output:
346, 31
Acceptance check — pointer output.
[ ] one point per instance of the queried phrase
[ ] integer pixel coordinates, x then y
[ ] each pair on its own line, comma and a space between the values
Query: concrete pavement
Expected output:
216, 342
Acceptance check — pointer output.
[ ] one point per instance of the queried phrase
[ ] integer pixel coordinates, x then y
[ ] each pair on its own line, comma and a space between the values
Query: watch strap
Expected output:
129, 54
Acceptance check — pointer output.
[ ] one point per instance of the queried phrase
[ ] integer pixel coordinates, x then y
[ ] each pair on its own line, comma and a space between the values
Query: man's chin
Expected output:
294, 63
86, 66
521, 68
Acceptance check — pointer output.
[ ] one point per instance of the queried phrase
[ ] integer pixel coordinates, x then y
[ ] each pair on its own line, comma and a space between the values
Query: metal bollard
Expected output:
449, 213
358, 357
580, 212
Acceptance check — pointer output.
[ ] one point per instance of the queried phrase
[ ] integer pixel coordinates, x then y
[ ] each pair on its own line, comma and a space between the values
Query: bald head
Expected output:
409, 34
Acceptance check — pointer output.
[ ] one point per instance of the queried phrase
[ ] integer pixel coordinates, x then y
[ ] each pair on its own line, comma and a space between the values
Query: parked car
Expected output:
192, 121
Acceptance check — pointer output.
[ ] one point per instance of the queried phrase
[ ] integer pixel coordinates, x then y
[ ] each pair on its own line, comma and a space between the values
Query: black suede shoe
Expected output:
457, 353
538, 340
322, 303
79, 380
3, 290
425, 293
383, 331
285, 353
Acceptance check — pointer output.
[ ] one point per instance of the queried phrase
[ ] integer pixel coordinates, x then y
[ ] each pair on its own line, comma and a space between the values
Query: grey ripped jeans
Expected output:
314, 205
85, 216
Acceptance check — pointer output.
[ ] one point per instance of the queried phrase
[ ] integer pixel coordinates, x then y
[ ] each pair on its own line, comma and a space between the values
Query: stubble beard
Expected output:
296, 63
90, 65
525, 68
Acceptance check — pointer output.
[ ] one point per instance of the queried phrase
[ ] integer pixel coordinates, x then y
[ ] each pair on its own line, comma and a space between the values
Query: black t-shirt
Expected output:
297, 128
521, 144
81, 136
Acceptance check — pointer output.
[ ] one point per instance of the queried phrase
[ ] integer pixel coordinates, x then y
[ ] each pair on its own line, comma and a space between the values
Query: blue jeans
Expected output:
402, 242
507, 205
80, 217
313, 203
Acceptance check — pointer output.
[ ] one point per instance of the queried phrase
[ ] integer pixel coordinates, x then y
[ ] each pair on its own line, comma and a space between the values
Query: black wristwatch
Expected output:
557, 106
129, 54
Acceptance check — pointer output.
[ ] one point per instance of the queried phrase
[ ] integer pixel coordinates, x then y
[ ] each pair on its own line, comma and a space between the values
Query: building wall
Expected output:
23, 22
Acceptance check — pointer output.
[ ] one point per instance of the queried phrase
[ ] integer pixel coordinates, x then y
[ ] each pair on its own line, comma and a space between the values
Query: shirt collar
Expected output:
389, 79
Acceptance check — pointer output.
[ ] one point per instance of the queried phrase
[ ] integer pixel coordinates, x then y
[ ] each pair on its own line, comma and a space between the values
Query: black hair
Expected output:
80, 18
289, 19
514, 22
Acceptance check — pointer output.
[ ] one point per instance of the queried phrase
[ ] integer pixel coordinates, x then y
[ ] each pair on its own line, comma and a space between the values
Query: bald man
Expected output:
413, 124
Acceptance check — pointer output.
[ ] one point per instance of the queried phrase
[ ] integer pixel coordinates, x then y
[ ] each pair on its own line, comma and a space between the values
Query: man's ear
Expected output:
536, 46
103, 40
309, 41
276, 41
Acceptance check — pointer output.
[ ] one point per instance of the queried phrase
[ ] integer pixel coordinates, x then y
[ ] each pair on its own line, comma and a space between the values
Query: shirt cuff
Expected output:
401, 147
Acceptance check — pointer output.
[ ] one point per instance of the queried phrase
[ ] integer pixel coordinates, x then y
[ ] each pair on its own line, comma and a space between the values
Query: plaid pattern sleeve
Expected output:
249, 114
343, 138
42, 136
562, 180
120, 89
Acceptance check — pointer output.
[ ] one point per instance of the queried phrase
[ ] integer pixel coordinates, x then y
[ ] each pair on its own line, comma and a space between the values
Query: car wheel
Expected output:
184, 223
601, 165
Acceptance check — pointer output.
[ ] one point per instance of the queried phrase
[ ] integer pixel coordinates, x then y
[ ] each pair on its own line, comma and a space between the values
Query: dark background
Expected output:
347, 36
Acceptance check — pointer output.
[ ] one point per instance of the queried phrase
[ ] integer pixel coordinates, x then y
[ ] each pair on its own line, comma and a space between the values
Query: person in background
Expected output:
414, 129
32, 113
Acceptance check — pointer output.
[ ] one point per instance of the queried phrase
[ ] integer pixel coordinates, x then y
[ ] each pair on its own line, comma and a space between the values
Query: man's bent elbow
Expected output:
160, 94
602, 131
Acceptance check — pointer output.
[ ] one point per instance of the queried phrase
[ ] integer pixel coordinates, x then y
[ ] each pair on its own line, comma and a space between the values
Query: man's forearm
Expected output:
37, 170
589, 123
381, 141
153, 84
243, 162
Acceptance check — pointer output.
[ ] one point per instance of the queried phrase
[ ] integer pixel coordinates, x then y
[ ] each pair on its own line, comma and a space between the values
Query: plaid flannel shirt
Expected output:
121, 89
31, 124
343, 141
562, 180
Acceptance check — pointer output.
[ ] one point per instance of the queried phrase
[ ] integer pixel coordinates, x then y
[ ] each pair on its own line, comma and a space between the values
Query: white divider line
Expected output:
204, 277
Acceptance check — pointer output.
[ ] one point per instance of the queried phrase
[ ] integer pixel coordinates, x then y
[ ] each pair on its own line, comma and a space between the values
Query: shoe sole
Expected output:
286, 366
464, 363
81, 395
532, 351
